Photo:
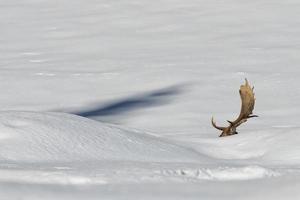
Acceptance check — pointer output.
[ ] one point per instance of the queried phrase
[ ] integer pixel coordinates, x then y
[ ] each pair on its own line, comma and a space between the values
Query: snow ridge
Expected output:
46, 137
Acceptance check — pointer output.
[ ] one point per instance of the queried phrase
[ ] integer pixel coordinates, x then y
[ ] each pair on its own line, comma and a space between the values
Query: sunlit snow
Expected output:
113, 99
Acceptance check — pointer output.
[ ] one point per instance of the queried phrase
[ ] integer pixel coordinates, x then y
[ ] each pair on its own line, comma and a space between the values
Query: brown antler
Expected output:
248, 101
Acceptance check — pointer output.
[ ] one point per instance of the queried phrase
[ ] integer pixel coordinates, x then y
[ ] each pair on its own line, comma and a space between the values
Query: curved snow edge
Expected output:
48, 136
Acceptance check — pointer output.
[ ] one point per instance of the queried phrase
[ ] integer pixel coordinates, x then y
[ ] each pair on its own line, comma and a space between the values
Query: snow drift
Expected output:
89, 55
44, 137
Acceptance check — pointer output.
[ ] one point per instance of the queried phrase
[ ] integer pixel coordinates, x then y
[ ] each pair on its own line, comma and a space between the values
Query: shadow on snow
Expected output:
132, 103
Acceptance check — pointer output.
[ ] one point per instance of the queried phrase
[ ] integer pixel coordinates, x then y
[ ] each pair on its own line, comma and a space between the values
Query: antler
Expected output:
248, 101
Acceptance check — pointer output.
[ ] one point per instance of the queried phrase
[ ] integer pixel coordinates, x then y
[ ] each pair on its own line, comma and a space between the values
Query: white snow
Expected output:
59, 137
113, 99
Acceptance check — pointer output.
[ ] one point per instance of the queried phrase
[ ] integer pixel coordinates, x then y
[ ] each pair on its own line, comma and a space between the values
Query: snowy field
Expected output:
105, 99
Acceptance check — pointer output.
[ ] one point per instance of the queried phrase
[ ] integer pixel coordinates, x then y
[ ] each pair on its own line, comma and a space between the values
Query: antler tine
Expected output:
230, 122
215, 125
251, 116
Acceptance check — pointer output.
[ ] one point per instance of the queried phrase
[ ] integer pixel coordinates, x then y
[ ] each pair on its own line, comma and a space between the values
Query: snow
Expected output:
58, 137
113, 99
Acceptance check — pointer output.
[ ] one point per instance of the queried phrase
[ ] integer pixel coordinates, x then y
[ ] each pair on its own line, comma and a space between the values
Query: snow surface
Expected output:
113, 99
49, 137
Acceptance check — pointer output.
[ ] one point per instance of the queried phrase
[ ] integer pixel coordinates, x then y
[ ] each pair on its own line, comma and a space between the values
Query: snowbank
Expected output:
273, 146
46, 137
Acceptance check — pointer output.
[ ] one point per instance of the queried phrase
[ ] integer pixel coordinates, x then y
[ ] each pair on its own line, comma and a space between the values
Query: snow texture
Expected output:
113, 99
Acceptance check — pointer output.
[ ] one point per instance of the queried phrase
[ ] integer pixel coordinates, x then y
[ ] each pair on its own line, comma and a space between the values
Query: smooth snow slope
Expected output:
56, 137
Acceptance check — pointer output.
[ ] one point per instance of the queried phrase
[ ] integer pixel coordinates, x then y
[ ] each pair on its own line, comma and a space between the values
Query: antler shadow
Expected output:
133, 103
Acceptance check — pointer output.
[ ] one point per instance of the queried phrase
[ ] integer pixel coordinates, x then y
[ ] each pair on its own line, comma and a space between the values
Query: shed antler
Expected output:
248, 101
